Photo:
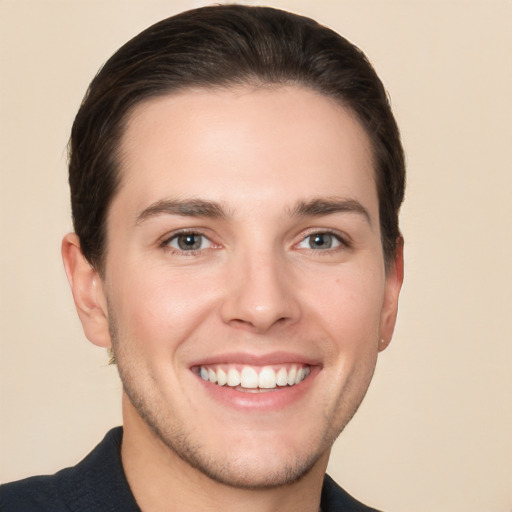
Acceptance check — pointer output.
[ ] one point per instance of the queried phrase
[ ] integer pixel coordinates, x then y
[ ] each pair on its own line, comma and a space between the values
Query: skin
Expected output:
277, 170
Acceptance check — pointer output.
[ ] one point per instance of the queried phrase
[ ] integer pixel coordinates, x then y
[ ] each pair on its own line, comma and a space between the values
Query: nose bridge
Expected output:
261, 290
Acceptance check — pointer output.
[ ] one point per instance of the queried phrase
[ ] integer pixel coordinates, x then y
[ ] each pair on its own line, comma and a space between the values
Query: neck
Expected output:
158, 478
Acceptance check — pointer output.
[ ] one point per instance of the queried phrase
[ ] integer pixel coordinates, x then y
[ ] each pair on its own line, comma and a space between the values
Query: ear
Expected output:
88, 292
394, 280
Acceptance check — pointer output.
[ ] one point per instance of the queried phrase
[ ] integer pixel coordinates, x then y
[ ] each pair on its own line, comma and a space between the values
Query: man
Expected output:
236, 175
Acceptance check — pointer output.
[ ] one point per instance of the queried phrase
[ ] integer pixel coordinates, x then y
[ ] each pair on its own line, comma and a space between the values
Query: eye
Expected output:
320, 241
188, 242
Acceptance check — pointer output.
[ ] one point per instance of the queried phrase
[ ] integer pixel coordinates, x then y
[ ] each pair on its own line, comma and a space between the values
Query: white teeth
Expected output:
282, 377
212, 376
249, 378
291, 375
267, 378
233, 378
222, 378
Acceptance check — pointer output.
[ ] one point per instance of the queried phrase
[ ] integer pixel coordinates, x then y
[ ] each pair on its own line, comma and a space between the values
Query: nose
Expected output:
260, 293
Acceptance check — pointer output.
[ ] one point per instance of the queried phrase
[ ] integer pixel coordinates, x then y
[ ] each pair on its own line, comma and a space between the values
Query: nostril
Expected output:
257, 324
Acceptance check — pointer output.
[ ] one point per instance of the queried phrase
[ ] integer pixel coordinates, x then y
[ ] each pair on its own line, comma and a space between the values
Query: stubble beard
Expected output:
232, 473
237, 473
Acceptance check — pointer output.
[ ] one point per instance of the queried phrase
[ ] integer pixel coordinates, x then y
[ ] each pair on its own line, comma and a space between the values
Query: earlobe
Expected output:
88, 293
394, 280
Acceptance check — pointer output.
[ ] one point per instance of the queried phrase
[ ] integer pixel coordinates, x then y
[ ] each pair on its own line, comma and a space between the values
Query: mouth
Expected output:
254, 379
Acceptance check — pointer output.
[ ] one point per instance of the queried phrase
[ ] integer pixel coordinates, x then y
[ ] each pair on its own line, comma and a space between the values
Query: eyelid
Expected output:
167, 238
343, 239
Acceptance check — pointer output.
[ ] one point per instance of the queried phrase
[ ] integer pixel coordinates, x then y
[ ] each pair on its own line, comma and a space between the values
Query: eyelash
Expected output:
176, 250
341, 241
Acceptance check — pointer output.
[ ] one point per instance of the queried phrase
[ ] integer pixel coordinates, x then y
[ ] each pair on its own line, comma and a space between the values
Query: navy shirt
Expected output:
98, 484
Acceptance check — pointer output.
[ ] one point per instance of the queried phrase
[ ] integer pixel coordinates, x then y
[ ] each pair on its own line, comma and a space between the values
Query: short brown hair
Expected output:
221, 46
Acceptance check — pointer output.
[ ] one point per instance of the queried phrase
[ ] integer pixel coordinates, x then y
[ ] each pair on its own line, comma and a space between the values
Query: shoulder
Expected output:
35, 494
96, 483
335, 499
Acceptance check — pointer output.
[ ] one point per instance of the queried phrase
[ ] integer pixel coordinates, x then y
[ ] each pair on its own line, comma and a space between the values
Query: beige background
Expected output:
435, 432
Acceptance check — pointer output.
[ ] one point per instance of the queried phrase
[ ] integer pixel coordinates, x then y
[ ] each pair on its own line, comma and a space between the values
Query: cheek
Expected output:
160, 308
349, 305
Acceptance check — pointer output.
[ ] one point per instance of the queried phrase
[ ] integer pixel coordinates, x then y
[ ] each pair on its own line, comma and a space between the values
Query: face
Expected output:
245, 281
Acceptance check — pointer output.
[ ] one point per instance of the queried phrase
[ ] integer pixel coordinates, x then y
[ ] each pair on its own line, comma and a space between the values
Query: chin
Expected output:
243, 462
248, 471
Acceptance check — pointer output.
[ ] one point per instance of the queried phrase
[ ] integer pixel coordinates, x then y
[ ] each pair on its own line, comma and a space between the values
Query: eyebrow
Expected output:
183, 207
318, 207
315, 207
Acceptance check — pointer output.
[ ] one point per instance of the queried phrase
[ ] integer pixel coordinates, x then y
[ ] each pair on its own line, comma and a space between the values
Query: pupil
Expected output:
187, 242
321, 240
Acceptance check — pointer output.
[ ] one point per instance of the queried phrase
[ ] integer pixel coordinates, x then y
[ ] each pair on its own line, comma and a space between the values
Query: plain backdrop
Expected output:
435, 431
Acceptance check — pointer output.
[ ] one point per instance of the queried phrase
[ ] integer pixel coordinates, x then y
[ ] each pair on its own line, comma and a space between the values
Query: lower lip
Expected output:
268, 400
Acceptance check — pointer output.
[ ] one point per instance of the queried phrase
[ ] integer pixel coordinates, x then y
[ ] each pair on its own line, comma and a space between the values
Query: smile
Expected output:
255, 378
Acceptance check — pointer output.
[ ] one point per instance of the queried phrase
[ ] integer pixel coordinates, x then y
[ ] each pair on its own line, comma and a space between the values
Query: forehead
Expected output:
244, 145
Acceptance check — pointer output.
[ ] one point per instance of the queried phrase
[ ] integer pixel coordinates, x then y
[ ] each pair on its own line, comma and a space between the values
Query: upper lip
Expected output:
271, 358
